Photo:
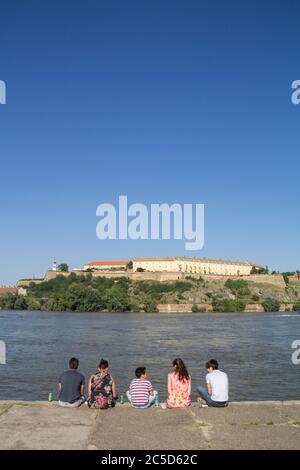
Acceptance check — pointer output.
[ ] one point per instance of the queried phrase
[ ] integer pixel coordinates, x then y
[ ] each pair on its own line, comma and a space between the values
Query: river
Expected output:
254, 349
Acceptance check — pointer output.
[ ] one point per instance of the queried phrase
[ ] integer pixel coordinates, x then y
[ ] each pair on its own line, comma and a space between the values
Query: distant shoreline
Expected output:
157, 314
76, 293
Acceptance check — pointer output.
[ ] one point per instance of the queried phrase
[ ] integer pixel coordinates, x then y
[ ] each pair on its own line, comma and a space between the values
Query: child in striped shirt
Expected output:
141, 393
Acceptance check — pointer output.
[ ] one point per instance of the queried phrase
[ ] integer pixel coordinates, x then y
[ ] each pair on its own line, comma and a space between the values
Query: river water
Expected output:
254, 349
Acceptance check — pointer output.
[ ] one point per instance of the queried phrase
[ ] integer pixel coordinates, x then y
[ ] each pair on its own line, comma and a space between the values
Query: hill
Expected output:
77, 293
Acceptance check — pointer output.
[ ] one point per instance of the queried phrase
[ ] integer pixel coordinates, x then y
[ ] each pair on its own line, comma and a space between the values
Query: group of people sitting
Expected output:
102, 387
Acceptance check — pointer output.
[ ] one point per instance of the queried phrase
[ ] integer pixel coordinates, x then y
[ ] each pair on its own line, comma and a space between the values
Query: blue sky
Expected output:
163, 101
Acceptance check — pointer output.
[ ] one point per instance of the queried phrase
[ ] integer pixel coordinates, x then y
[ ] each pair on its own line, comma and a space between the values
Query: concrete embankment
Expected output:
243, 425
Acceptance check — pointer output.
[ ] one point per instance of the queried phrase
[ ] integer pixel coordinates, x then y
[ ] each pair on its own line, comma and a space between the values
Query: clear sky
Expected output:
161, 100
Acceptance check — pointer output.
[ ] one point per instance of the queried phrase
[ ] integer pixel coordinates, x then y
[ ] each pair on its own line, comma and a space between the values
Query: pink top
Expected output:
180, 392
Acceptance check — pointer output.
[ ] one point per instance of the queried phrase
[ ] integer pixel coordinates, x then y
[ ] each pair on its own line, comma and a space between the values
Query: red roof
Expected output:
8, 290
107, 263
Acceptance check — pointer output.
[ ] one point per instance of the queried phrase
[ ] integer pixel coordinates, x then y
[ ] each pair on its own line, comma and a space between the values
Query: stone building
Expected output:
106, 266
193, 265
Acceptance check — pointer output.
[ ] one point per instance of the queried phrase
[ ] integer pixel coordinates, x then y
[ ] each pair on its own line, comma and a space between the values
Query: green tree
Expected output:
196, 309
20, 303
7, 301
226, 305
150, 305
81, 298
258, 270
135, 307
33, 303
255, 298
244, 292
63, 268
117, 300
271, 305
235, 284
286, 278
55, 304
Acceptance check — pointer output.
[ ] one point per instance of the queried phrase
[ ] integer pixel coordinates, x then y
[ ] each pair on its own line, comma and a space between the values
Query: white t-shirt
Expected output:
219, 385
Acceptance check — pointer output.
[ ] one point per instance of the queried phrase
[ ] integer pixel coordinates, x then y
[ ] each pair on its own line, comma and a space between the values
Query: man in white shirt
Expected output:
216, 394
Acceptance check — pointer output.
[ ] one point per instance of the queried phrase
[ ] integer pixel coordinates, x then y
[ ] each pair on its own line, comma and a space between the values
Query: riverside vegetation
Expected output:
89, 294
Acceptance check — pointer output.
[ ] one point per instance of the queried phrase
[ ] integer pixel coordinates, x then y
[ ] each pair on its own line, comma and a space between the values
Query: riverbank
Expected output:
243, 425
85, 293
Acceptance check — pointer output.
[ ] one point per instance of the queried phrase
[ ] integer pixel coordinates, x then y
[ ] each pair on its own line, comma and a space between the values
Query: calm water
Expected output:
255, 350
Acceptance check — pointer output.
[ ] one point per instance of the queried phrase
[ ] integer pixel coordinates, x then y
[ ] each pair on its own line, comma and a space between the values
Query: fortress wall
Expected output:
273, 279
182, 308
53, 274
109, 274
254, 308
136, 276
27, 282
286, 307
187, 308
170, 276
294, 279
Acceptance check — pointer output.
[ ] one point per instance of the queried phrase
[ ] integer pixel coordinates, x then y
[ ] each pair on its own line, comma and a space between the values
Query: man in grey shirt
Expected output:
71, 386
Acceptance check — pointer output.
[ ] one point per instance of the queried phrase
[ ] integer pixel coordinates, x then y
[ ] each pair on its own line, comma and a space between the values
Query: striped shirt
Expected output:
139, 391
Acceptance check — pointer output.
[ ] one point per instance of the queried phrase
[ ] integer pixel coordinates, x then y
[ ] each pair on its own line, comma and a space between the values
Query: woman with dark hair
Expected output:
102, 388
179, 386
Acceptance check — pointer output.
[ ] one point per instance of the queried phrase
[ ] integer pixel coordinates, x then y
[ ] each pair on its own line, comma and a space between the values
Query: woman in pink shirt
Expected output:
179, 386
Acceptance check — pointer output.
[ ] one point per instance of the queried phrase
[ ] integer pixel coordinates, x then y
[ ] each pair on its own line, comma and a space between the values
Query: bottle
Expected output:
121, 399
50, 397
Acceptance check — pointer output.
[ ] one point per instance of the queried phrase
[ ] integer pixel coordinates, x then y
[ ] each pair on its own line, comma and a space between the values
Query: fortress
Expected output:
167, 268
183, 264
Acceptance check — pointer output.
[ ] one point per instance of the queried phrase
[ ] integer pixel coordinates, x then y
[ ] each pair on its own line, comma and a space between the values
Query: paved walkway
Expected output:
247, 425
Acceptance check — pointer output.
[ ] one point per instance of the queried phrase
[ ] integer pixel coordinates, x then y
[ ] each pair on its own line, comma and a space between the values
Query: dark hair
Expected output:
212, 364
180, 369
73, 363
103, 364
140, 371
